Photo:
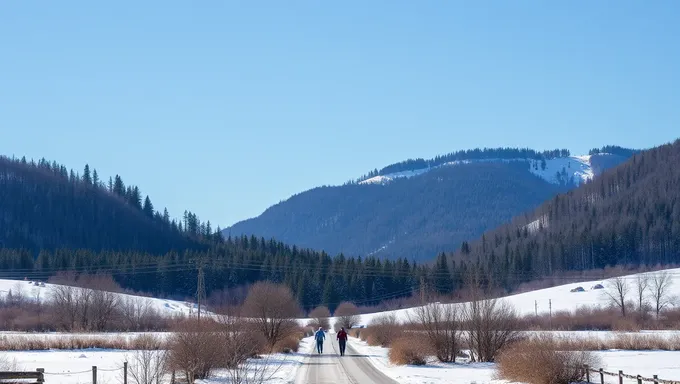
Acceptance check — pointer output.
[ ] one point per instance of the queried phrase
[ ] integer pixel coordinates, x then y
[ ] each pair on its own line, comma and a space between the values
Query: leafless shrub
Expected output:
347, 315
538, 361
195, 350
442, 326
320, 317
7, 365
273, 308
409, 350
382, 330
492, 325
242, 343
148, 365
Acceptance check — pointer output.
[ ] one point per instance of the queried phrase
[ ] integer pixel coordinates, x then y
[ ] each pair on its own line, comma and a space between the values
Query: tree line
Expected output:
468, 154
629, 215
46, 206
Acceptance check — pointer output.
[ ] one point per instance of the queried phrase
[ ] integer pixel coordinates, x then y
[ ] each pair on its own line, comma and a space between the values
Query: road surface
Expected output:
331, 368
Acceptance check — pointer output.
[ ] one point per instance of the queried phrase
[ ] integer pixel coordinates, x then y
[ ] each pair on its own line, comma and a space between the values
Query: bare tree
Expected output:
492, 325
660, 288
65, 306
442, 326
617, 293
320, 317
273, 309
641, 287
148, 365
135, 311
347, 315
104, 301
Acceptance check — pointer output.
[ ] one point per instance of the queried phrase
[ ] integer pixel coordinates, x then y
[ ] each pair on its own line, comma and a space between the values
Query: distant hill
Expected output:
419, 208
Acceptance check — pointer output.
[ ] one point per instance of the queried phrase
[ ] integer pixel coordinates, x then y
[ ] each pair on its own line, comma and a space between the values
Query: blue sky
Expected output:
225, 108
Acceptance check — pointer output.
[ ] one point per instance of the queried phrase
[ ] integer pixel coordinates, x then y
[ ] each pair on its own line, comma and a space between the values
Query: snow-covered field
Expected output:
75, 367
558, 298
43, 292
645, 363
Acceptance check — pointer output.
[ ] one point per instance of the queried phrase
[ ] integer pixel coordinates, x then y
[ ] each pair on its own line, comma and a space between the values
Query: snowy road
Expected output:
330, 367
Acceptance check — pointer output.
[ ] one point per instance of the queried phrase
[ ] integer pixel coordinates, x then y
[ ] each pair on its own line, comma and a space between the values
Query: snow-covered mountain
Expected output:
560, 170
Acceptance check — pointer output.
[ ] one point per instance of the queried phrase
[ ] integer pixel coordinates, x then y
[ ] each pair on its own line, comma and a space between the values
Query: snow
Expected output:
43, 292
389, 177
542, 301
75, 367
578, 168
645, 363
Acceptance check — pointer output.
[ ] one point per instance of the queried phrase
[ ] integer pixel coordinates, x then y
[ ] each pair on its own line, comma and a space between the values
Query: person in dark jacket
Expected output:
342, 340
319, 336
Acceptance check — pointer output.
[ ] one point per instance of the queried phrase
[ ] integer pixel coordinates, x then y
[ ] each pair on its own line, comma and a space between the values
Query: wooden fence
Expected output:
600, 373
38, 375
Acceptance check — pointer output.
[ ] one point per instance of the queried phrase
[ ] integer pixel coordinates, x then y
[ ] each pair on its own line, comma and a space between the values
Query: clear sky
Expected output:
228, 107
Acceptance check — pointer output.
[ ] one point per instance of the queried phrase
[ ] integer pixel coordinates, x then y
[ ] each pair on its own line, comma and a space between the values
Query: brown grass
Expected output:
409, 350
382, 330
624, 341
32, 343
539, 361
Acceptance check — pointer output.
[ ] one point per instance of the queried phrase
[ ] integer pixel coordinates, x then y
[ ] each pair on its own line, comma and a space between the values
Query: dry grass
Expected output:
32, 343
539, 361
629, 342
409, 350
382, 330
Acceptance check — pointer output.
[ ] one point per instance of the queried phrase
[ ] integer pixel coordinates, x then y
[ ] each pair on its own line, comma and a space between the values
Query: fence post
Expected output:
94, 374
41, 375
587, 373
172, 378
620, 377
656, 379
125, 366
639, 379
601, 376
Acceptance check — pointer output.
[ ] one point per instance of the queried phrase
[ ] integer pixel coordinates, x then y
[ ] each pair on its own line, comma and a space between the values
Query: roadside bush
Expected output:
382, 330
195, 350
409, 350
537, 361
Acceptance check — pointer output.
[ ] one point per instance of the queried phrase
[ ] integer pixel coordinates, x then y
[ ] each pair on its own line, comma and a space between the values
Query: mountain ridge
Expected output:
426, 216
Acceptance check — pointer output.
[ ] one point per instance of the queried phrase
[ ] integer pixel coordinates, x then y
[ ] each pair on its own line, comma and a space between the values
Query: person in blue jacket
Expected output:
319, 336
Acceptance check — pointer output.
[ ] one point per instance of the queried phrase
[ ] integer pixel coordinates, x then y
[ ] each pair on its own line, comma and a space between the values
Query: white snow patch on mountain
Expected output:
564, 169
561, 170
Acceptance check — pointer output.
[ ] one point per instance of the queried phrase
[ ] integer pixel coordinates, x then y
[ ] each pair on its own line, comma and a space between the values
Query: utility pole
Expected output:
422, 290
550, 306
536, 308
200, 286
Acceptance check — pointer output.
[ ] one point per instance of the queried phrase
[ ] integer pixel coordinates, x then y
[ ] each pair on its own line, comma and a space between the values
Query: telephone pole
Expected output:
536, 308
200, 286
550, 308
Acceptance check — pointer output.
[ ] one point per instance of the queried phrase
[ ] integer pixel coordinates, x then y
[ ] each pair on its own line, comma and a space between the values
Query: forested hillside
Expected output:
628, 215
420, 216
45, 206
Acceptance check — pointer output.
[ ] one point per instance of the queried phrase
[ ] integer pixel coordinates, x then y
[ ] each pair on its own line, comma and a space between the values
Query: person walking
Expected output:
342, 340
319, 336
